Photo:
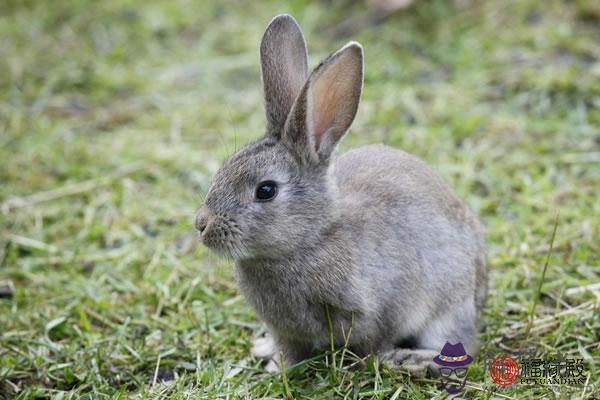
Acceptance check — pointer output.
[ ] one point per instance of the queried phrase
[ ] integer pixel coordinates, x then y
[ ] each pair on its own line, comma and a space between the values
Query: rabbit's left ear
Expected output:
284, 65
327, 105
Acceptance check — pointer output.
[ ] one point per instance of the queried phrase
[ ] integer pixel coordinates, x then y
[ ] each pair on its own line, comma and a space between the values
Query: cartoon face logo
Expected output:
453, 362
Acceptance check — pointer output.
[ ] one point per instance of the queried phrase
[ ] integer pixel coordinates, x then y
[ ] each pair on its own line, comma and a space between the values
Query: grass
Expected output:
114, 115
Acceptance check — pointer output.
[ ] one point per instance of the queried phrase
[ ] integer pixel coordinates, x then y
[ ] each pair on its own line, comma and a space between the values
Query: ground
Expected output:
114, 115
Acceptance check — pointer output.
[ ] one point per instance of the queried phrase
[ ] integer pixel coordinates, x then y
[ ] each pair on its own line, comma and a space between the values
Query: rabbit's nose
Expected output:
202, 220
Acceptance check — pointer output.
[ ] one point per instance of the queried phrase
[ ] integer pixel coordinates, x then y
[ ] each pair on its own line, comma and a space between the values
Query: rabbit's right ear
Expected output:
284, 64
326, 106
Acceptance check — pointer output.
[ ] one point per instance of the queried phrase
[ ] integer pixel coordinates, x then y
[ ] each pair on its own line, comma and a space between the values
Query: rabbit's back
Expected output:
388, 179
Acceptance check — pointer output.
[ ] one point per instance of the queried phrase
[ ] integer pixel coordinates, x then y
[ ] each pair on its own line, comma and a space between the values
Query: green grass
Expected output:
114, 115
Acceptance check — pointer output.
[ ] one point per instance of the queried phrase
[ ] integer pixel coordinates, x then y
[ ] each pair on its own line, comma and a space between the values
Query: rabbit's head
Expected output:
275, 195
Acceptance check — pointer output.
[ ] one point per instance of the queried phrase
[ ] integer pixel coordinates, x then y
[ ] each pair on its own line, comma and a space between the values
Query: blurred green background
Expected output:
115, 114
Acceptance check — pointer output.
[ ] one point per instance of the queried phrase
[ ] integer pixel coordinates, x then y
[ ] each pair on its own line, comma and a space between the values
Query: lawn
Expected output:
114, 115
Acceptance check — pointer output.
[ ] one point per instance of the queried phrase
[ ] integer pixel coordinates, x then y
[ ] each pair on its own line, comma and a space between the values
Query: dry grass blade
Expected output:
538, 291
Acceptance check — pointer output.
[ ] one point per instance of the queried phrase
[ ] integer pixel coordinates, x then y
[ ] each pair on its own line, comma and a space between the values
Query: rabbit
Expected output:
371, 246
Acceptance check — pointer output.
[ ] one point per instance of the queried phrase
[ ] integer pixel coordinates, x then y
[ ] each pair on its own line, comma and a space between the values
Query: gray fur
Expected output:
375, 237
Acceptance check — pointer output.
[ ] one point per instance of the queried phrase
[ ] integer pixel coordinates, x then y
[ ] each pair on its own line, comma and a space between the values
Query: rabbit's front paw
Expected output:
264, 347
415, 361
272, 367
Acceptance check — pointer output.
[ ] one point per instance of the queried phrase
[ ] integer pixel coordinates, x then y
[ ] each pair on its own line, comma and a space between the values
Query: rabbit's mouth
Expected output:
224, 247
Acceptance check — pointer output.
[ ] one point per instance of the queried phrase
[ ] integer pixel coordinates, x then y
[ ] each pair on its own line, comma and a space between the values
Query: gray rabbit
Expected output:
372, 243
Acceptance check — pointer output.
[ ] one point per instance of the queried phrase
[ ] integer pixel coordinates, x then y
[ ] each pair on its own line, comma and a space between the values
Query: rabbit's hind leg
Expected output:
455, 326
415, 361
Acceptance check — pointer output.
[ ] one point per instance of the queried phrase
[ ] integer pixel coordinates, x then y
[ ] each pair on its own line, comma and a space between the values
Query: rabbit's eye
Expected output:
266, 190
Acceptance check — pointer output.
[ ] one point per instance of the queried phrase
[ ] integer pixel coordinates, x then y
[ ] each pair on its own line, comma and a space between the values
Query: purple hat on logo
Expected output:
453, 355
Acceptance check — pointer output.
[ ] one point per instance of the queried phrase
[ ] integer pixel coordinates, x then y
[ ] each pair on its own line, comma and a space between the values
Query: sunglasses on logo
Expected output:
459, 372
